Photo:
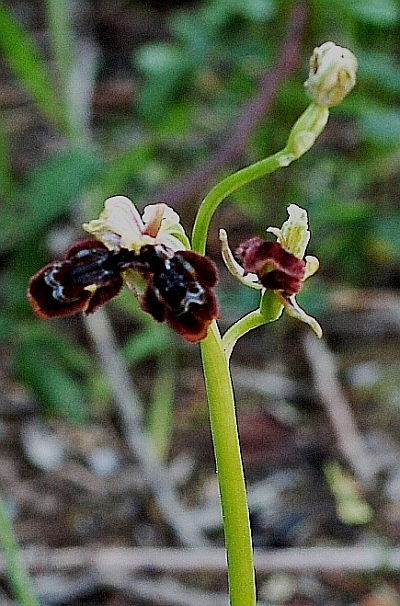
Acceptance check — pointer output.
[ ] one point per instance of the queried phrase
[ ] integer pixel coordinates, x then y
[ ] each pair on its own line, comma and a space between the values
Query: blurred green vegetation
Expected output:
191, 85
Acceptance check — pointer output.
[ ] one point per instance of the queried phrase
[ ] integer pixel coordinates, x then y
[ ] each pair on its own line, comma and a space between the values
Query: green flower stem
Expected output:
252, 320
19, 579
222, 190
302, 136
232, 488
218, 382
270, 310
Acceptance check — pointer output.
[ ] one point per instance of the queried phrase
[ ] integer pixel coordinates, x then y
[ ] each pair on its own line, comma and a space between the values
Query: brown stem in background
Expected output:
198, 179
130, 411
349, 439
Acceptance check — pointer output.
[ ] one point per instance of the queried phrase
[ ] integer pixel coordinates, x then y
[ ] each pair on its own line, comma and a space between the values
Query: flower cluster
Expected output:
149, 254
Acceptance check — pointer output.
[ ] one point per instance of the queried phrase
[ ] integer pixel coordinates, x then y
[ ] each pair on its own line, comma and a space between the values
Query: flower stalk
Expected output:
216, 351
301, 138
229, 466
271, 309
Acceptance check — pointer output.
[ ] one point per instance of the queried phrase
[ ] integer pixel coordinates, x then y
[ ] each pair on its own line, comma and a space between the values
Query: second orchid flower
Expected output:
278, 266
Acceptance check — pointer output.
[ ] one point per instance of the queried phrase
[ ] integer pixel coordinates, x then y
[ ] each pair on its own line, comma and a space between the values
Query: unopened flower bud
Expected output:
332, 74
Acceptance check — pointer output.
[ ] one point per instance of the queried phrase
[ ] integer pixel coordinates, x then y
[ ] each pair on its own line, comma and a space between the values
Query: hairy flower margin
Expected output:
279, 266
148, 253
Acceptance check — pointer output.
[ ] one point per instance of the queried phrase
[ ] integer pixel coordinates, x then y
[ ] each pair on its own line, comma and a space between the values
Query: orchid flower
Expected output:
148, 253
279, 266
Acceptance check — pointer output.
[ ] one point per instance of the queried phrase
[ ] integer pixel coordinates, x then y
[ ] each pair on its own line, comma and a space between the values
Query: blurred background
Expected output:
158, 101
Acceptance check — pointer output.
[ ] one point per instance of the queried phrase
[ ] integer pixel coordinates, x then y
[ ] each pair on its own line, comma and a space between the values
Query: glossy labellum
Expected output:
276, 268
180, 290
88, 276
178, 284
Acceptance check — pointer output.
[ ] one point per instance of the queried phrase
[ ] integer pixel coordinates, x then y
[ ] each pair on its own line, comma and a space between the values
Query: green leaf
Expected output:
380, 125
47, 195
386, 236
58, 391
380, 70
6, 180
48, 335
117, 174
351, 507
59, 21
30, 69
7, 328
166, 68
151, 341
376, 12
258, 10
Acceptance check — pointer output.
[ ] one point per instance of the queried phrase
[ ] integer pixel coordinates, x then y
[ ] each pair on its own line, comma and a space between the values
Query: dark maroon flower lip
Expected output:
179, 284
78, 282
180, 293
276, 268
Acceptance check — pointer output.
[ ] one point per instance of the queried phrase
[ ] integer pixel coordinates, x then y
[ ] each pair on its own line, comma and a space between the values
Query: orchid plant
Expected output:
174, 281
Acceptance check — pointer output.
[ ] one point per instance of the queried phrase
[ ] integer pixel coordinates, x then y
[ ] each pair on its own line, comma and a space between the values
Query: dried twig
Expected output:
167, 591
338, 409
130, 411
108, 561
